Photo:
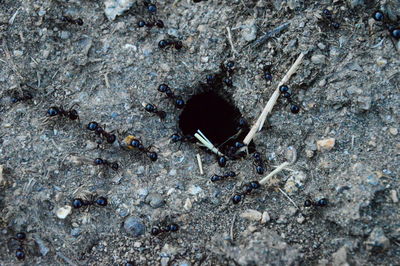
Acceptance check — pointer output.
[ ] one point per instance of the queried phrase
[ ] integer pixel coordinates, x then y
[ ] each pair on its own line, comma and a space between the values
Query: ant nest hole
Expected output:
216, 117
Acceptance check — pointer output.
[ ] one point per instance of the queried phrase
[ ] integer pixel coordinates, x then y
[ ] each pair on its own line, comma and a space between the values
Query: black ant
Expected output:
156, 230
177, 99
327, 15
159, 23
71, 20
380, 17
216, 178
246, 190
112, 165
198, 1
26, 96
152, 9
224, 76
167, 43
20, 251
267, 73
71, 113
151, 108
284, 90
258, 162
94, 126
78, 203
134, 143
323, 202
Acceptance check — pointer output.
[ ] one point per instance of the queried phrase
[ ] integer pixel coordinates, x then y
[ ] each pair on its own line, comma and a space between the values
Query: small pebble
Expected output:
249, 32
65, 35
18, 53
300, 219
155, 200
63, 212
43, 249
377, 241
265, 217
251, 215
75, 232
318, 59
2, 180
340, 256
134, 226
309, 153
325, 144
188, 204
393, 196
194, 190
394, 131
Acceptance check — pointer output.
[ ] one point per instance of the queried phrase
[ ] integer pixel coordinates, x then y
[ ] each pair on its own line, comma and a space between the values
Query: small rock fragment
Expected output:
377, 241
75, 232
43, 249
194, 190
249, 32
318, 59
155, 200
116, 8
325, 144
265, 217
393, 196
63, 212
340, 256
188, 204
2, 181
394, 131
251, 215
134, 226
309, 153
300, 219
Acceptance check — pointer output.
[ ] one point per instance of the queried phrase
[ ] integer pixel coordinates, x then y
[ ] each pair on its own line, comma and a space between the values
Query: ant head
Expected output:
92, 126
53, 111
150, 108
111, 138
20, 236
114, 166
152, 156
98, 161
78, 203
101, 201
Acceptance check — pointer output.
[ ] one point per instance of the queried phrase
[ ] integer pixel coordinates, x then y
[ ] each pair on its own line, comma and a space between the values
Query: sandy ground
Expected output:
345, 137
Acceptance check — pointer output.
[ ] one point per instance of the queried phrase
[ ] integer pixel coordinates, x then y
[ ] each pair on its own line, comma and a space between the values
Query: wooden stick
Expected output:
230, 40
271, 102
277, 170
287, 196
208, 144
200, 164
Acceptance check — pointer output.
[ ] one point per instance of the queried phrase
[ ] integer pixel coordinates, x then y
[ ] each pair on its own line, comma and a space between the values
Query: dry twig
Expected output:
271, 102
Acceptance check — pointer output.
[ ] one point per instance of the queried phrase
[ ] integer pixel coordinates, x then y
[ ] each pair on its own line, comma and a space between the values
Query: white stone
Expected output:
63, 212
325, 144
251, 215
265, 217
114, 8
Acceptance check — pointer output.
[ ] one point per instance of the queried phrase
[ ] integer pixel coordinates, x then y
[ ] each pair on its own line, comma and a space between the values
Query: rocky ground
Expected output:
345, 137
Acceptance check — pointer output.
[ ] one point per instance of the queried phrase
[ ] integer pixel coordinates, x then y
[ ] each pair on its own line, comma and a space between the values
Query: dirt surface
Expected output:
347, 88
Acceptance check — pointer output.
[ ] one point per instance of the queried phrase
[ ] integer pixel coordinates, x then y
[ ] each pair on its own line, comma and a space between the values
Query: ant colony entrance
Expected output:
216, 117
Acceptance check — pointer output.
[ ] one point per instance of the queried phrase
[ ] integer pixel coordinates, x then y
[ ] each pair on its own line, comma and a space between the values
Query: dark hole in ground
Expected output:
214, 115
